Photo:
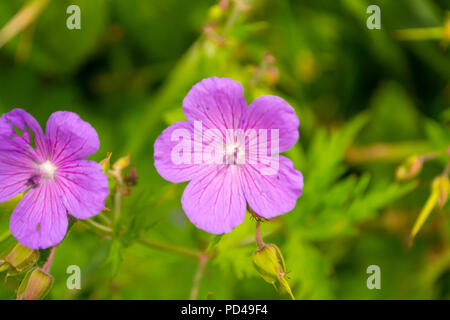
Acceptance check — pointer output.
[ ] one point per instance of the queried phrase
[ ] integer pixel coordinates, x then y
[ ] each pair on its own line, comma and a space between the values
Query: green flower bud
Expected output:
438, 196
409, 169
121, 163
269, 263
106, 163
17, 259
35, 285
215, 12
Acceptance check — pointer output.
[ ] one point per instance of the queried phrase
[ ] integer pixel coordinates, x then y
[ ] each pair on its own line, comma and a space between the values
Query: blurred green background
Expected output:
366, 99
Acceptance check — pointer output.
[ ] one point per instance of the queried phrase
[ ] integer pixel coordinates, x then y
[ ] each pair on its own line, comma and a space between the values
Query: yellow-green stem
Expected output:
170, 248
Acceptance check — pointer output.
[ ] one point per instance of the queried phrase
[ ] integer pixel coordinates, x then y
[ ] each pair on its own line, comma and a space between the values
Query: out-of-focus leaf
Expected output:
309, 270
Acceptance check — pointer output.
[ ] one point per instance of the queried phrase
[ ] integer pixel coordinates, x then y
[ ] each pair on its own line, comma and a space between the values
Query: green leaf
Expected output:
114, 258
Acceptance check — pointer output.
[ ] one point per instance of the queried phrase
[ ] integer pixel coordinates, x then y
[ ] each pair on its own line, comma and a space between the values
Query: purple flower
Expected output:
51, 170
217, 195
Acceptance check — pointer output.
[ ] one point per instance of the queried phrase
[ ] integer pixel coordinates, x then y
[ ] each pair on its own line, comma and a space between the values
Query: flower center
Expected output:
234, 153
48, 169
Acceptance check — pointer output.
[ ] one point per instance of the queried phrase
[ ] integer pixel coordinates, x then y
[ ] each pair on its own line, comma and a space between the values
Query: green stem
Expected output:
415, 34
5, 235
21, 20
105, 218
117, 205
98, 226
170, 248
234, 15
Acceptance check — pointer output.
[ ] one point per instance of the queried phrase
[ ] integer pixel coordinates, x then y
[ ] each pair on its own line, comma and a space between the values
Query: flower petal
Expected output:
69, 137
83, 188
29, 132
165, 151
17, 155
15, 174
215, 202
272, 195
217, 102
271, 112
40, 220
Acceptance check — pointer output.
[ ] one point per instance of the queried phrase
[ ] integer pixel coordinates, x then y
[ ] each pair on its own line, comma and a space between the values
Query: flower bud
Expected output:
409, 169
269, 263
17, 259
122, 163
105, 163
441, 184
131, 178
438, 196
271, 76
215, 12
35, 285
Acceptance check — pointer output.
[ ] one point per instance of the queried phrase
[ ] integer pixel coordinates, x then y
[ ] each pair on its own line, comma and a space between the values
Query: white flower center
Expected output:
234, 153
48, 169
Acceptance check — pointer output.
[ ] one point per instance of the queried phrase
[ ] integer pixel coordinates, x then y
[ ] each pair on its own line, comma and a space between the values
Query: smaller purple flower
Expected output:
222, 127
51, 171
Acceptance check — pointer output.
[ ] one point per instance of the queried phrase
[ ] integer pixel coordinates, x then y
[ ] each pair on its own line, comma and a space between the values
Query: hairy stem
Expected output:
48, 263
203, 259
258, 237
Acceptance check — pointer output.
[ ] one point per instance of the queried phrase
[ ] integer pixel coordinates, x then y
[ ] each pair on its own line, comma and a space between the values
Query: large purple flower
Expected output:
51, 169
216, 198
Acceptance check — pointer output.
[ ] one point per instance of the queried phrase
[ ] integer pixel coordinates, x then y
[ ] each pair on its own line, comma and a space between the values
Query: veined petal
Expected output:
18, 131
271, 112
215, 202
40, 220
69, 137
83, 188
15, 174
18, 158
174, 153
217, 102
272, 195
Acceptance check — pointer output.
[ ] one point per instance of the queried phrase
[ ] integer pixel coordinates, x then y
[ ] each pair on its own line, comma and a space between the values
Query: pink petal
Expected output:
272, 195
215, 202
217, 102
83, 187
177, 171
271, 112
40, 220
17, 156
70, 138
29, 131
15, 174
